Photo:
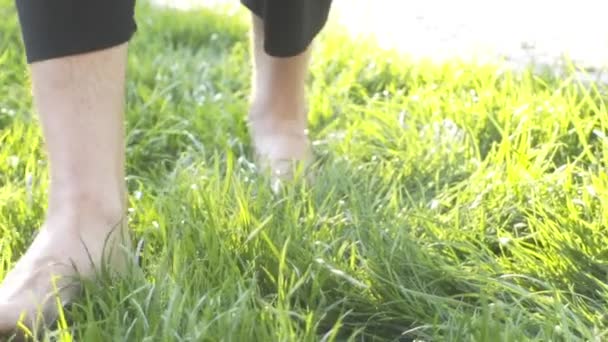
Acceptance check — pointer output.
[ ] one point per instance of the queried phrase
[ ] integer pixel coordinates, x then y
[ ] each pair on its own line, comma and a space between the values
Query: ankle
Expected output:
86, 207
285, 107
265, 119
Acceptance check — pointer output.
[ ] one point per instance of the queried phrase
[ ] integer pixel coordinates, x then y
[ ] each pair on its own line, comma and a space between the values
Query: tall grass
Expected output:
454, 202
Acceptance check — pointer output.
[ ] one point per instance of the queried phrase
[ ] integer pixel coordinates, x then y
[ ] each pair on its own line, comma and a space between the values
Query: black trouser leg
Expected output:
58, 28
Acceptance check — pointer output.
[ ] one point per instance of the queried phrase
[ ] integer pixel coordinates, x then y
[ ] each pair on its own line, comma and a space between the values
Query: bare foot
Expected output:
280, 145
47, 276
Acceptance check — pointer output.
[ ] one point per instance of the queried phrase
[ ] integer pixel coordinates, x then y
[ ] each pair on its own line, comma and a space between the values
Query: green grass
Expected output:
453, 202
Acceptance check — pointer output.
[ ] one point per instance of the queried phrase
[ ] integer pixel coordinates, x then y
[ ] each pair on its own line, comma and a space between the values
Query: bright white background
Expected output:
520, 30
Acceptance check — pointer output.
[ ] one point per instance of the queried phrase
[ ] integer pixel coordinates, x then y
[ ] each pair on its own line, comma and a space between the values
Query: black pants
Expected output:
57, 28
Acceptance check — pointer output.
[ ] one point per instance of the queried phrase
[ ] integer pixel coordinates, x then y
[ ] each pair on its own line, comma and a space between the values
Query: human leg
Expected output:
278, 113
282, 34
78, 89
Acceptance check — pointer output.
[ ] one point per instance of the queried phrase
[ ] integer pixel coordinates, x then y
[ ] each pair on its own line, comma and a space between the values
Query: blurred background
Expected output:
521, 32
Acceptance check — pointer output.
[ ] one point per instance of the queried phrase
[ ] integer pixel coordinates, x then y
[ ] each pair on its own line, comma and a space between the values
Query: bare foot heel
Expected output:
282, 149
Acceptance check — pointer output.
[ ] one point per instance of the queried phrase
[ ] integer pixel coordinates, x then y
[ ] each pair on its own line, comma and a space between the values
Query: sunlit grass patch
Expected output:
453, 201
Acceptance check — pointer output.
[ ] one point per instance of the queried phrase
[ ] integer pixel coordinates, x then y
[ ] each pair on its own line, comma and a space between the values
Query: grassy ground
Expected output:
453, 202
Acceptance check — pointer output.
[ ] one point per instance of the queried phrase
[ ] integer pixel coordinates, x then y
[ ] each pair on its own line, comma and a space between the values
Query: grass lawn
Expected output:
453, 202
